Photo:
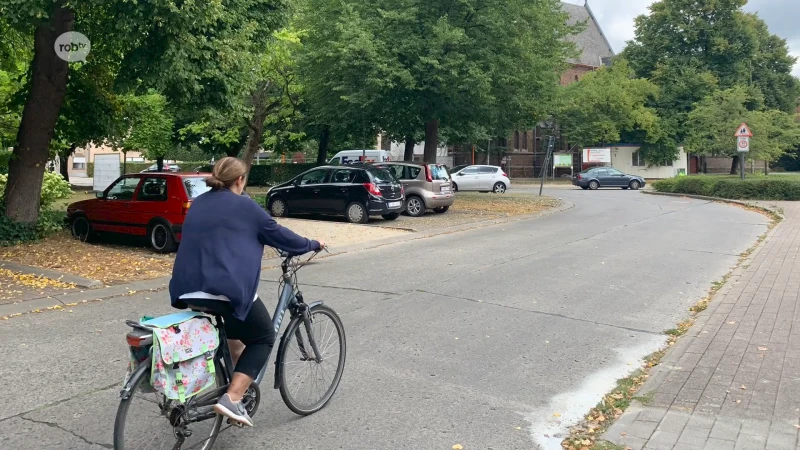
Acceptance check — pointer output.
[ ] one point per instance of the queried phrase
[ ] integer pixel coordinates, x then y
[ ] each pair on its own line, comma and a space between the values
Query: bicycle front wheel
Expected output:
307, 385
148, 420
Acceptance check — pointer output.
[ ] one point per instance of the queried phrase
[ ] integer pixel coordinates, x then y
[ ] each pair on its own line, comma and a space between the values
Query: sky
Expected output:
616, 19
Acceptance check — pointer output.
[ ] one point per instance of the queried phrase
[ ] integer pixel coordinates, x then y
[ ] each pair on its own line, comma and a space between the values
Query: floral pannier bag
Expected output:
183, 356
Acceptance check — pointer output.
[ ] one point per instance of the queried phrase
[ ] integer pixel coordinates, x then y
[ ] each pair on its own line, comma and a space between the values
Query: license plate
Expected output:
394, 204
445, 189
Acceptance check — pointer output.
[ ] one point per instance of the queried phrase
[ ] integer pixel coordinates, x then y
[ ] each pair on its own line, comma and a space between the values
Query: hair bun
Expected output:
214, 182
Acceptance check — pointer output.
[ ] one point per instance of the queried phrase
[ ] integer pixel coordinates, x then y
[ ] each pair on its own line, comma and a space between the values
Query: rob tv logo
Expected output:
73, 46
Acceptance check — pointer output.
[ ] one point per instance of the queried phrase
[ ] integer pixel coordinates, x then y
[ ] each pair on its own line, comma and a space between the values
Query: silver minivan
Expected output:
427, 186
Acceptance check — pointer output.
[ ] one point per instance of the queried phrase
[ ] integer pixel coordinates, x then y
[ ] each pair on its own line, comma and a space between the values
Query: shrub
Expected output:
5, 158
13, 233
90, 169
754, 188
54, 187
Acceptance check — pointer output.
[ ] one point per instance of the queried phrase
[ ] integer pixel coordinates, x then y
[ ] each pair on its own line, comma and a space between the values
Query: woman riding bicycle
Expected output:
218, 267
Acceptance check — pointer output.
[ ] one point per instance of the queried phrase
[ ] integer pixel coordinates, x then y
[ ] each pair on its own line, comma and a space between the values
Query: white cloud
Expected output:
616, 18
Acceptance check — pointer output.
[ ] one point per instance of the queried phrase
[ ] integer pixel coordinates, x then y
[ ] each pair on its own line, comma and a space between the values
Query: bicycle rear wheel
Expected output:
148, 420
306, 385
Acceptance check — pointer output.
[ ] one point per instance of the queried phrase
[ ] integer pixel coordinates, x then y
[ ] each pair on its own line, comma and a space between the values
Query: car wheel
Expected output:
415, 206
499, 188
594, 185
392, 216
81, 229
357, 213
455, 187
441, 209
635, 185
277, 208
161, 238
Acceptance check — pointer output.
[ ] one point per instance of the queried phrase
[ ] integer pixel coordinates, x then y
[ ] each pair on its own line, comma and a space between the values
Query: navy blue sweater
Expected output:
222, 244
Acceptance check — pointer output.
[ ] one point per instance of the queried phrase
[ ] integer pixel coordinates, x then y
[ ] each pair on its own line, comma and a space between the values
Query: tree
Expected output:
410, 66
712, 124
607, 104
144, 124
274, 101
189, 51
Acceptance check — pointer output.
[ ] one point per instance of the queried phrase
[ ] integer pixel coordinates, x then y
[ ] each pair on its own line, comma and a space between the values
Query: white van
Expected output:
354, 156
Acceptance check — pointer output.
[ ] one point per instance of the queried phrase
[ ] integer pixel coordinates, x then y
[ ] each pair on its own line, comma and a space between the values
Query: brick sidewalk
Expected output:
734, 381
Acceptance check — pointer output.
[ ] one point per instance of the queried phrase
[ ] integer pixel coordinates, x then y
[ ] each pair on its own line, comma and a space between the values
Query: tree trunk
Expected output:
253, 143
45, 97
160, 164
63, 160
324, 142
431, 140
735, 165
408, 153
766, 167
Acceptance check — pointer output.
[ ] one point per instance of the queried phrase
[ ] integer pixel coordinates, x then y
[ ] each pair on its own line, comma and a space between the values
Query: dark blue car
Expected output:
607, 177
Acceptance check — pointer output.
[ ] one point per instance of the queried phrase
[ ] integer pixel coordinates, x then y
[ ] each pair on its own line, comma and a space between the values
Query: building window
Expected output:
525, 141
668, 164
79, 166
516, 140
636, 159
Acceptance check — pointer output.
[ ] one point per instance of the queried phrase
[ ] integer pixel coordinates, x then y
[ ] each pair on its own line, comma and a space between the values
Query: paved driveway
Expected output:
490, 338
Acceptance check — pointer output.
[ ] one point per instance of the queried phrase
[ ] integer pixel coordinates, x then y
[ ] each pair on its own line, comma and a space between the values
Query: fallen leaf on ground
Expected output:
458, 447
556, 414
744, 388
763, 349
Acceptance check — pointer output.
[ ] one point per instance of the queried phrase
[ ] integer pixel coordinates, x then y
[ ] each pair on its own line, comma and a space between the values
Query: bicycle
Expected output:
183, 420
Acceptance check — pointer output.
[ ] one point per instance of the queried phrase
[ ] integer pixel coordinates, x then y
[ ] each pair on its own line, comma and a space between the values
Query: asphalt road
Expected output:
490, 338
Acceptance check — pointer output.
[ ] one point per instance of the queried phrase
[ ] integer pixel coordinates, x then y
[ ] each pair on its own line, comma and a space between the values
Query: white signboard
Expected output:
106, 170
743, 144
597, 155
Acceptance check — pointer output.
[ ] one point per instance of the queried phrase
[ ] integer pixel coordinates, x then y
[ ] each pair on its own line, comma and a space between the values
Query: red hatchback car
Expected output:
143, 204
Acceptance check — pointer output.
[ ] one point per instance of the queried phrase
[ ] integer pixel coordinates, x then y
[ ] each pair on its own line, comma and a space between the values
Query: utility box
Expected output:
106, 171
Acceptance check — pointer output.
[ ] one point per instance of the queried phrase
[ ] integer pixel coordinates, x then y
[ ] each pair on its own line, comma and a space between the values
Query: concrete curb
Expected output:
659, 373
158, 284
563, 206
717, 199
52, 274
30, 305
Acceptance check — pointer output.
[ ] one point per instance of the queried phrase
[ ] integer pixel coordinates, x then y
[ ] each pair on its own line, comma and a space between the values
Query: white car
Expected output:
480, 178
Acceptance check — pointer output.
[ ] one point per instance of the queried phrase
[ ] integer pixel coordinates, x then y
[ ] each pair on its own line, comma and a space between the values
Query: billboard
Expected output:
597, 155
562, 160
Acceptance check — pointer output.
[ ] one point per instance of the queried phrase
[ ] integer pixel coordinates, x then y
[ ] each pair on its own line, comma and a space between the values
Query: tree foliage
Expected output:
712, 123
405, 66
607, 104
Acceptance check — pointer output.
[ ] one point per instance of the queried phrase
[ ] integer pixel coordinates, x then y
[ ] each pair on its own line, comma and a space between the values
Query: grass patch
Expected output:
504, 204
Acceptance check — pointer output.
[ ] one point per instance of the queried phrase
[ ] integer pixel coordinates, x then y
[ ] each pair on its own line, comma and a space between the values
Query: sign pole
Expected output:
543, 173
743, 135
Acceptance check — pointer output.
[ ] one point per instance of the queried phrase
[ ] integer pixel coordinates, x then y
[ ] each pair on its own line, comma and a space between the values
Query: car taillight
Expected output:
578, 176
504, 174
185, 207
373, 189
428, 176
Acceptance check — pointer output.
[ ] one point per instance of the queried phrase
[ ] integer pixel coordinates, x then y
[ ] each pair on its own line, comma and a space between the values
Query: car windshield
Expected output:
380, 175
195, 186
439, 173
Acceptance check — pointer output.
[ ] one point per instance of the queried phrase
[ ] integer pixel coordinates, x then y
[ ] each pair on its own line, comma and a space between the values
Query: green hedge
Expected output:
271, 174
261, 175
5, 158
136, 167
754, 188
